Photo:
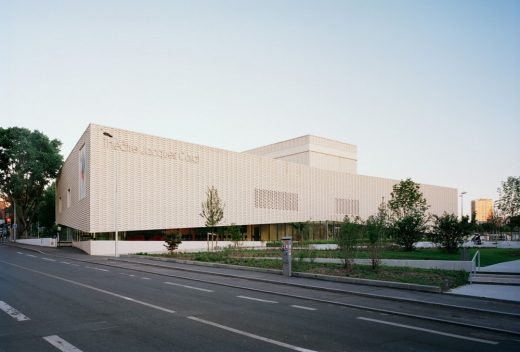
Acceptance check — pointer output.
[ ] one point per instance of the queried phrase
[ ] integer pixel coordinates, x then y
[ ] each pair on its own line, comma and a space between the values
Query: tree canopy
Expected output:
29, 161
509, 197
408, 217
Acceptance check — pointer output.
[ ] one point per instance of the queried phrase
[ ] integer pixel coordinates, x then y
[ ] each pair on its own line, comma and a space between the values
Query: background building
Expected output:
161, 184
482, 209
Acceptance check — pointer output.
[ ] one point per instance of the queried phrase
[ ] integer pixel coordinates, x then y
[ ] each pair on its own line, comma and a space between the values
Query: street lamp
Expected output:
462, 203
115, 196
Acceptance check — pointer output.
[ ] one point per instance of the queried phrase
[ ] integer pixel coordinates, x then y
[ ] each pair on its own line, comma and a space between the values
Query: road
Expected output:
48, 303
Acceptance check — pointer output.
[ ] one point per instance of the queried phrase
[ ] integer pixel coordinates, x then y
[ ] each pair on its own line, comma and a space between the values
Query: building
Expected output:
161, 184
482, 209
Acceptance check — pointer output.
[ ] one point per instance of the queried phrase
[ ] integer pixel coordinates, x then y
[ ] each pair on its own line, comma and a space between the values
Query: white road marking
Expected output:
32, 256
430, 331
12, 312
190, 287
75, 264
302, 307
49, 259
91, 267
91, 288
131, 275
19, 252
257, 299
253, 336
65, 263
61, 344
145, 278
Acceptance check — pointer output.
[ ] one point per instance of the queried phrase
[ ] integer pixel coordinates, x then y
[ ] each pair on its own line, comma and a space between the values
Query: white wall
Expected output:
44, 242
131, 247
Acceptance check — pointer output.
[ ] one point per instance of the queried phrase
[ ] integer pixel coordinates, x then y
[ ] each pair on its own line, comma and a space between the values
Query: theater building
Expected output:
146, 186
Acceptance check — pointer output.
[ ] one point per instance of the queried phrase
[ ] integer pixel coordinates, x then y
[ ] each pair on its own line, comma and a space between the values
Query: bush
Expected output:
449, 232
173, 241
350, 232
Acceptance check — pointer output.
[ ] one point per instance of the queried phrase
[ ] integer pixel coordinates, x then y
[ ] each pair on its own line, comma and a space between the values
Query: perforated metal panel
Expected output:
161, 184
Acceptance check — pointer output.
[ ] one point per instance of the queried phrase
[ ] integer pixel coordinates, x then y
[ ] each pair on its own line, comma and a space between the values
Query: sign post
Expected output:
287, 255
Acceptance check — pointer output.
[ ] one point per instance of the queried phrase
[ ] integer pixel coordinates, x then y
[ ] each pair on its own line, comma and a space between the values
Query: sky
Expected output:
426, 89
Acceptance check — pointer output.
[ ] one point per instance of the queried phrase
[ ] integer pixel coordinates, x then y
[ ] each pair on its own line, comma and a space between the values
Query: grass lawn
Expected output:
488, 256
432, 277
435, 277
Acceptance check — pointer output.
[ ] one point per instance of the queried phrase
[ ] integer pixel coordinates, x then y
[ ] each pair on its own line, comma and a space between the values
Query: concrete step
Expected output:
495, 279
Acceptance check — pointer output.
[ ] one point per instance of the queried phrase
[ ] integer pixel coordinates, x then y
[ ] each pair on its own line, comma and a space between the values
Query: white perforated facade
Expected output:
161, 183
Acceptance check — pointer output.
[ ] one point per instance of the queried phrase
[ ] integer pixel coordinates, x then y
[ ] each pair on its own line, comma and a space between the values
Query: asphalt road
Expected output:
49, 303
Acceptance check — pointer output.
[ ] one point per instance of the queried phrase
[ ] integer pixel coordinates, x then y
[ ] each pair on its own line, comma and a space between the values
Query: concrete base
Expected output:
131, 247
44, 242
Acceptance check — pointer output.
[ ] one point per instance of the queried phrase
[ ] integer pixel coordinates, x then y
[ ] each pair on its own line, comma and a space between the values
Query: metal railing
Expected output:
475, 266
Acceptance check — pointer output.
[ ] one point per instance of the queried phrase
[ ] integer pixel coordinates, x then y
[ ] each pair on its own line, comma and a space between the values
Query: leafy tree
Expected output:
509, 197
173, 240
376, 231
47, 210
449, 232
408, 218
47, 207
212, 209
28, 162
235, 233
350, 232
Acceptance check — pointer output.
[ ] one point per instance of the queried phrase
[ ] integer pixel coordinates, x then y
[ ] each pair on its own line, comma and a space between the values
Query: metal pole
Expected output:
114, 157
116, 208
462, 204
15, 224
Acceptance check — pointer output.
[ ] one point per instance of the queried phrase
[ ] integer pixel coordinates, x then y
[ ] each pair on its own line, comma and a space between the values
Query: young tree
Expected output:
376, 231
408, 218
212, 209
347, 239
28, 162
236, 235
449, 232
173, 240
509, 197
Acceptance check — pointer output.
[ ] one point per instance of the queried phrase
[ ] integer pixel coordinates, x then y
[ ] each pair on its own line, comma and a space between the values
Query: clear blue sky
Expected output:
426, 89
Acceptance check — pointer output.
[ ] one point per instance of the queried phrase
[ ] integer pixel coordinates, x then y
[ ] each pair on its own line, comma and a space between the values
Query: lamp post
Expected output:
115, 196
462, 204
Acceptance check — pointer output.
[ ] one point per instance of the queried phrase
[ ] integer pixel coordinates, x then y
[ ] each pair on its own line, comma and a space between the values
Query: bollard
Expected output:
287, 255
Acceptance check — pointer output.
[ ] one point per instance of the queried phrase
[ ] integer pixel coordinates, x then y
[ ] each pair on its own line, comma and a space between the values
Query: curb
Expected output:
367, 282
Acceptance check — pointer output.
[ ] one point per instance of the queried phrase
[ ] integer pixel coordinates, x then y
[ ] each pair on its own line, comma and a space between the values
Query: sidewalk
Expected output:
504, 292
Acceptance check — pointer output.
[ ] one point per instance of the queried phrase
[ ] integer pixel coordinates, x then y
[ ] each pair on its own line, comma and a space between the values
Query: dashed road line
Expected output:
190, 287
302, 307
32, 256
257, 299
65, 263
12, 312
91, 267
125, 274
93, 288
253, 336
20, 253
145, 278
61, 344
429, 331
49, 259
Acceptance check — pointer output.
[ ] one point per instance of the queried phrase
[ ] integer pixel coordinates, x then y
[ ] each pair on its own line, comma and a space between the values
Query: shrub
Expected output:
173, 241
